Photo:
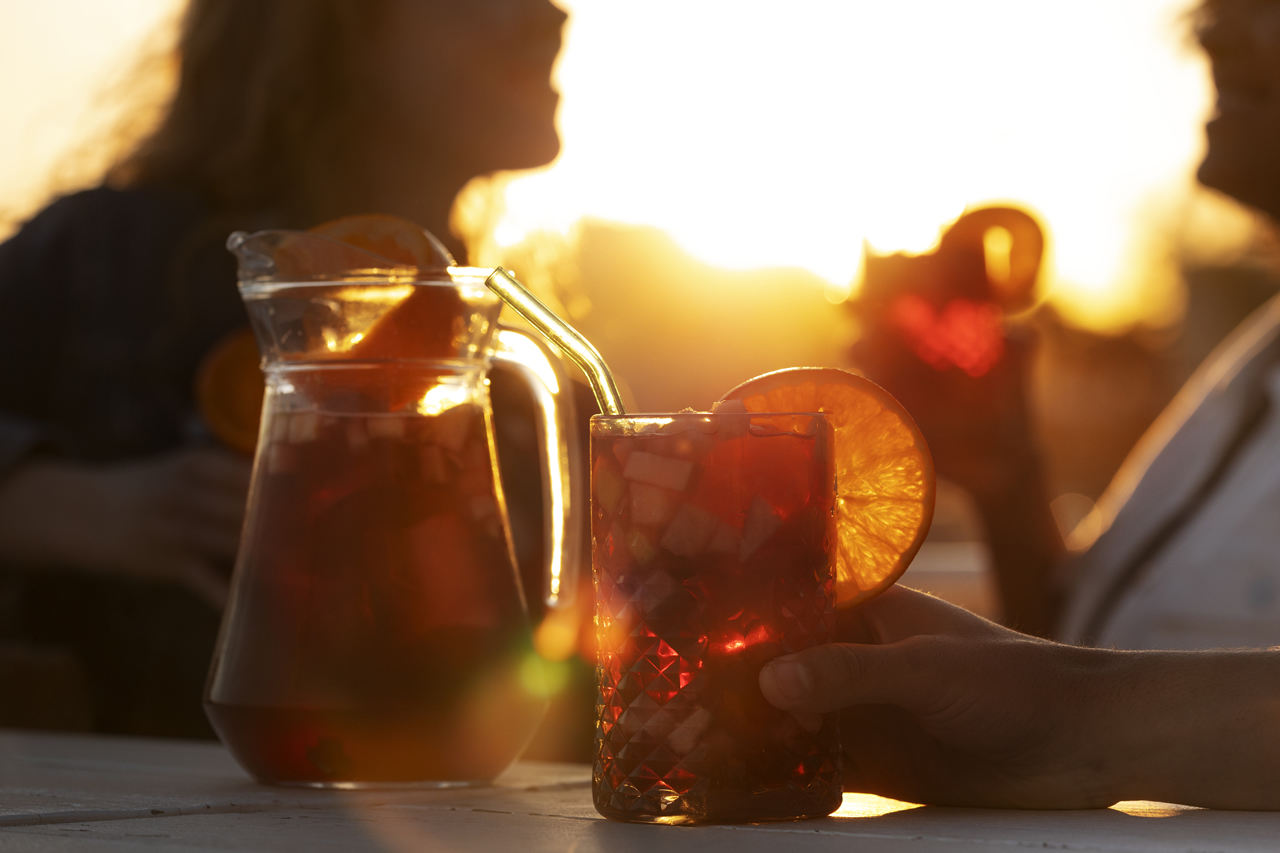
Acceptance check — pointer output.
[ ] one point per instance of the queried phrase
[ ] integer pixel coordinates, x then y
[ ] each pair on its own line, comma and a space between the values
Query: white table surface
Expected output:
98, 793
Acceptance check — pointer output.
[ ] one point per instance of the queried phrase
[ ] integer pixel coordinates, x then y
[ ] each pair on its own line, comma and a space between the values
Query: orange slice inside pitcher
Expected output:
884, 473
419, 326
392, 237
229, 383
229, 389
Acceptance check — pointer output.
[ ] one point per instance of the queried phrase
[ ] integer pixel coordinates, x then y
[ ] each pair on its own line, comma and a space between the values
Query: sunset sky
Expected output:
759, 135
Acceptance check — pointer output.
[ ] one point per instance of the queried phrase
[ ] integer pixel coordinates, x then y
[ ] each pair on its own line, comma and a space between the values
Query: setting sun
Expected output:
767, 138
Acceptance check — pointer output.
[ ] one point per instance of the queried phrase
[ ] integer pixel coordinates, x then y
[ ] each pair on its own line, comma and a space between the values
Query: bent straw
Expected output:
562, 335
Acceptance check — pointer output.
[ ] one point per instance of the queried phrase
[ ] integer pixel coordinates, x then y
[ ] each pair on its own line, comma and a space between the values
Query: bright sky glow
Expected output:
760, 134
58, 59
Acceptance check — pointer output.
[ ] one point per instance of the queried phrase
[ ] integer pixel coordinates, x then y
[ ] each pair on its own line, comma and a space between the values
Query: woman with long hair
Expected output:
119, 517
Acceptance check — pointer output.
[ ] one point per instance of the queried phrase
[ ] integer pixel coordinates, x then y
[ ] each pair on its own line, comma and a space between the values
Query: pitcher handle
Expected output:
563, 487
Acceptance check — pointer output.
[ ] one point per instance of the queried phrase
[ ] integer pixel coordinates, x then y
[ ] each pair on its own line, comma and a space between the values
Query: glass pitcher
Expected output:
376, 626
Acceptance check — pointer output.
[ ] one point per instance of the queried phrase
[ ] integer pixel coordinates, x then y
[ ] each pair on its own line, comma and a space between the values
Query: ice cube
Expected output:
609, 486
475, 455
281, 459
357, 437
280, 427
451, 588
725, 540
473, 481
762, 522
303, 427
651, 505
759, 634
435, 468
729, 407
613, 554
657, 470
451, 427
482, 506
655, 589
386, 426
306, 256
640, 546
622, 450
688, 734
810, 721
689, 531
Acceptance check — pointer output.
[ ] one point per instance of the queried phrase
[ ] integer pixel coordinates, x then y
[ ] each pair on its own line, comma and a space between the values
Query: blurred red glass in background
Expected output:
947, 307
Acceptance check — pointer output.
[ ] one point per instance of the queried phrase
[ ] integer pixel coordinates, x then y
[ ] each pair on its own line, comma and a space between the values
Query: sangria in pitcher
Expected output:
376, 626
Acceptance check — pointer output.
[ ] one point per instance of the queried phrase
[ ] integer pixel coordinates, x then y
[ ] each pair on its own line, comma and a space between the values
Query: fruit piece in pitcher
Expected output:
229, 388
307, 256
884, 473
391, 237
419, 326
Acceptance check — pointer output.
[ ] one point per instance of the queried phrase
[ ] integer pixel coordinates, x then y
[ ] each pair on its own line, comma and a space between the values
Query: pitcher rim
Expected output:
454, 276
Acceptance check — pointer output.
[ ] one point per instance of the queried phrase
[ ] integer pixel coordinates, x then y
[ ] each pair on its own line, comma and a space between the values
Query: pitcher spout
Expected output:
300, 256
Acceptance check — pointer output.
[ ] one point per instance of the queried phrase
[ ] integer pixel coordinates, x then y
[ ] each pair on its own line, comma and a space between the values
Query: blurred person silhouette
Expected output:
119, 517
1189, 554
940, 706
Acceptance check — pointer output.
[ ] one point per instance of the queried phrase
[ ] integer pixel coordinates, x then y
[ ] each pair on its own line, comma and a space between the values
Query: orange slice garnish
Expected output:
229, 389
884, 473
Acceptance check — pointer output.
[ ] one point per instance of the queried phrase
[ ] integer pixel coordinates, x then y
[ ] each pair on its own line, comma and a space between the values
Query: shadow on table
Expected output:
1133, 825
1136, 821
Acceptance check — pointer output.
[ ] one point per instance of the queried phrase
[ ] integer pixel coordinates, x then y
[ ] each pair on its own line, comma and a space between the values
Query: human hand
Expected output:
940, 706
173, 517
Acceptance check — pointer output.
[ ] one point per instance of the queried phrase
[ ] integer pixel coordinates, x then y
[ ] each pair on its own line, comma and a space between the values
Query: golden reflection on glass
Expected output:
1145, 808
442, 398
389, 295
533, 357
869, 805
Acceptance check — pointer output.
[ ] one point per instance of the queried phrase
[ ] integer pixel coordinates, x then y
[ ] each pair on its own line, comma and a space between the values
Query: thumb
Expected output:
828, 678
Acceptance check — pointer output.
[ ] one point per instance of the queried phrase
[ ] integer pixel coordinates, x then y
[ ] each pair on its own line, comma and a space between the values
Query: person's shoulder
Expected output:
105, 222
96, 235
114, 209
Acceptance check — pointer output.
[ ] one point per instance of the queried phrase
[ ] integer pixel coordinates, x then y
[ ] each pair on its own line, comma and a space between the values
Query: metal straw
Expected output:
562, 335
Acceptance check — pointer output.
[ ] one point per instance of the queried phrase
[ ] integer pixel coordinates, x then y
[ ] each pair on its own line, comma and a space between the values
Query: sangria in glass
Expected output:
714, 552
